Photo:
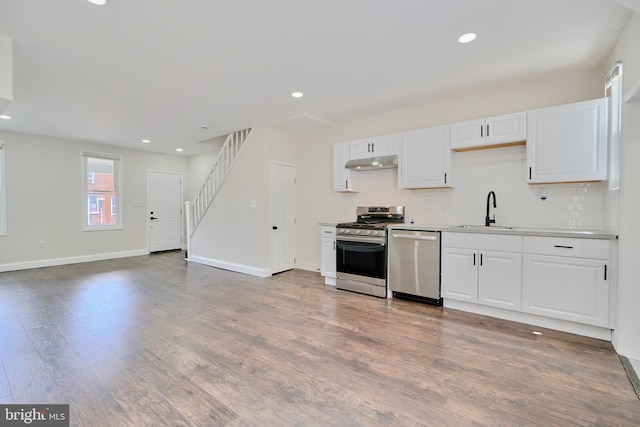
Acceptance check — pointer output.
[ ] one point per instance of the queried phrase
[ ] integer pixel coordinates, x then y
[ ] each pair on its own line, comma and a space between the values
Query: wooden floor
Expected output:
152, 341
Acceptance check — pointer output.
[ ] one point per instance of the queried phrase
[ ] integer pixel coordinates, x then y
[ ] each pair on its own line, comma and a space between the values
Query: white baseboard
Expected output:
307, 266
532, 319
239, 268
25, 265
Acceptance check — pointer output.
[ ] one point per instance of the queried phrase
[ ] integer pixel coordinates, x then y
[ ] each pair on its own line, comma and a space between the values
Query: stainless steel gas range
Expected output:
361, 250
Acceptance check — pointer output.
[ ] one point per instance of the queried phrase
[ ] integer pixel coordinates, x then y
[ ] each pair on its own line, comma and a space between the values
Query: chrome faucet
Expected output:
488, 221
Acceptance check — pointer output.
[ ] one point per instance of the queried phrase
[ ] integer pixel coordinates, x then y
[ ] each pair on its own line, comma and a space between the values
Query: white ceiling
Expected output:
161, 69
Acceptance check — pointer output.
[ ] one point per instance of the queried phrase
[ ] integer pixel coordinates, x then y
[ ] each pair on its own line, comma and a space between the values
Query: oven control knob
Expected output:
375, 232
368, 232
356, 231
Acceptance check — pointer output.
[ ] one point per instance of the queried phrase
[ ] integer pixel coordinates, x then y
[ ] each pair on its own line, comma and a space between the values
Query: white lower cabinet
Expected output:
328, 254
483, 269
569, 279
500, 279
460, 274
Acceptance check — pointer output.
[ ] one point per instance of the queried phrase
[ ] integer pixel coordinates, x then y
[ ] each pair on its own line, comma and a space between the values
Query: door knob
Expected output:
153, 217
275, 227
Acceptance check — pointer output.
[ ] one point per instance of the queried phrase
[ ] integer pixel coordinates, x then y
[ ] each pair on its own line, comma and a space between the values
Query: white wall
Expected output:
233, 234
626, 337
44, 196
199, 167
477, 172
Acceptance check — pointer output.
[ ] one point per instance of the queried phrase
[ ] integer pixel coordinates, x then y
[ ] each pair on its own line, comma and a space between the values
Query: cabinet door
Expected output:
500, 279
575, 289
328, 257
567, 143
467, 134
506, 128
425, 158
361, 149
341, 176
386, 145
460, 274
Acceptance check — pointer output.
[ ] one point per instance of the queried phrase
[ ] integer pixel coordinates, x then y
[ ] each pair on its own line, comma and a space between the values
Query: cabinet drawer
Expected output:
490, 242
328, 232
570, 247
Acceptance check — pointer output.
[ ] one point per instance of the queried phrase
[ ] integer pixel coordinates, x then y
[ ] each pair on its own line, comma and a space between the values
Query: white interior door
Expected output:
283, 217
165, 204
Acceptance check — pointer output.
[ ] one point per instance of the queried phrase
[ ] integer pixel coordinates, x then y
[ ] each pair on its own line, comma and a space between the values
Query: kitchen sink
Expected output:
484, 227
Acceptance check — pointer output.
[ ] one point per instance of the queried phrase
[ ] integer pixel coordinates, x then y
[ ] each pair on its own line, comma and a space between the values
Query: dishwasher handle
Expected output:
414, 237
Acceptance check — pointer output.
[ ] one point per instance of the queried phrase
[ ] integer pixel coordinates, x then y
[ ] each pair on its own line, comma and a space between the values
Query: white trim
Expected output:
239, 268
531, 319
71, 260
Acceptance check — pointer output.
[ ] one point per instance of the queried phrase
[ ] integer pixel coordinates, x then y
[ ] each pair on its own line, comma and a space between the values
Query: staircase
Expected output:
196, 210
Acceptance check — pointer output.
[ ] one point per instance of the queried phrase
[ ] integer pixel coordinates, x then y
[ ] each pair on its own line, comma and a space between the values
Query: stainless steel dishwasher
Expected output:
414, 265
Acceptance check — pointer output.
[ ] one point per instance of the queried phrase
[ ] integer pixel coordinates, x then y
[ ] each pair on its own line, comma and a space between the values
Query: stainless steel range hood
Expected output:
382, 162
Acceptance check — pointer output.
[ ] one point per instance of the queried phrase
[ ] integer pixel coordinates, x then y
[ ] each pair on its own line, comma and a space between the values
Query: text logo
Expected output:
34, 415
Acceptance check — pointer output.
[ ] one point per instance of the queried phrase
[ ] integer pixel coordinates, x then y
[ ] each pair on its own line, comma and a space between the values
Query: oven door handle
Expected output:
413, 237
361, 239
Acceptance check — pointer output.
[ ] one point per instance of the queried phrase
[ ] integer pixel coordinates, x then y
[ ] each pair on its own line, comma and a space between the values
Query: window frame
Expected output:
117, 188
3, 191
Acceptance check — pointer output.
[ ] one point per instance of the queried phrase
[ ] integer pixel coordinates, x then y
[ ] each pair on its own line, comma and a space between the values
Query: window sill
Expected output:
103, 228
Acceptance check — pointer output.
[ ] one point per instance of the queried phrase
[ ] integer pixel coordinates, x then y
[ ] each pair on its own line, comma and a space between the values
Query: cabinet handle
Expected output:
334, 245
605, 272
563, 247
474, 259
445, 177
480, 260
529, 172
346, 184
481, 131
487, 131
373, 147
368, 147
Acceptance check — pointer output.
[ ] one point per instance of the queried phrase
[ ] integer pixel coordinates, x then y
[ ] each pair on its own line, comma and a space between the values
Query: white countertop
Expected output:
582, 233
516, 231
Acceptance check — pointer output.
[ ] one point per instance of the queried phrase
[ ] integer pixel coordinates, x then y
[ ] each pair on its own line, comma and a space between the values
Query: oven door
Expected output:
361, 256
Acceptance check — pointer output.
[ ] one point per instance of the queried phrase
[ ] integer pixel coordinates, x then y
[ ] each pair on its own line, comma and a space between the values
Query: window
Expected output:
93, 204
3, 196
102, 191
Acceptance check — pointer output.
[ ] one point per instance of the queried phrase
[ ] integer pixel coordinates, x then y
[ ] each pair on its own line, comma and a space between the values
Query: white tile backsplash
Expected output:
502, 170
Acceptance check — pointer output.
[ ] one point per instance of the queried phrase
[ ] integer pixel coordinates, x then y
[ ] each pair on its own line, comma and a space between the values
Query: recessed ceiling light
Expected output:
5, 117
179, 150
146, 141
100, 2
297, 94
466, 38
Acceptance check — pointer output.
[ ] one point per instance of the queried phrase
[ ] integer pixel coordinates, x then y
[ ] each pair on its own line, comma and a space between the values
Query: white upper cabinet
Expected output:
425, 158
386, 145
497, 130
341, 177
567, 143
